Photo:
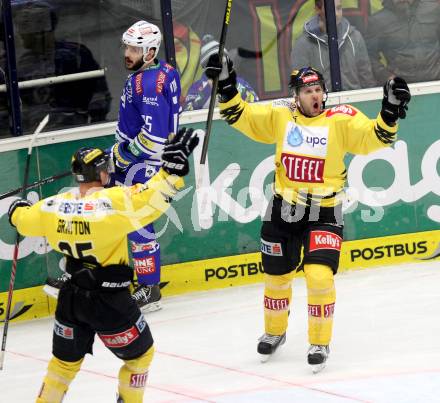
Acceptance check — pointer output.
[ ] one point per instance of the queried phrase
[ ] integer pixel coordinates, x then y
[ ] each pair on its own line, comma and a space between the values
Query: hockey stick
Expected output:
34, 185
17, 242
221, 48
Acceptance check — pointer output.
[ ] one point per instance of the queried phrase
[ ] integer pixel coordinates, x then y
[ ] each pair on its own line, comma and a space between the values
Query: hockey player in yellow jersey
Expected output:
89, 225
303, 226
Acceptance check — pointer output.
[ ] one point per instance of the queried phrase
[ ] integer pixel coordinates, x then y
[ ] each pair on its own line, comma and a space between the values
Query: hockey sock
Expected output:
133, 377
57, 380
321, 297
277, 297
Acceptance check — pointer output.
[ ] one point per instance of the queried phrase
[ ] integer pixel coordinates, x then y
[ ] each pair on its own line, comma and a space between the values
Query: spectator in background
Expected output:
199, 93
311, 49
69, 103
403, 39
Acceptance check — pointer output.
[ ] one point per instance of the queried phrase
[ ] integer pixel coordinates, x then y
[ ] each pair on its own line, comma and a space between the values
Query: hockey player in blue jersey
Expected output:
148, 113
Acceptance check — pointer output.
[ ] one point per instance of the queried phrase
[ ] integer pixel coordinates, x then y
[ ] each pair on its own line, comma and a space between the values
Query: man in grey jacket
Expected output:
311, 49
403, 39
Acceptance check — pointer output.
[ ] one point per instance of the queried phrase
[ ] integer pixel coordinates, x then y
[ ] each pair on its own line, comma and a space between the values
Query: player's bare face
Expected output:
310, 100
133, 57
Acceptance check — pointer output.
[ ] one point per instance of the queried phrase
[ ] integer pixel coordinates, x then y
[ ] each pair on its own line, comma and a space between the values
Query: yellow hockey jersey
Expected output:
95, 227
309, 158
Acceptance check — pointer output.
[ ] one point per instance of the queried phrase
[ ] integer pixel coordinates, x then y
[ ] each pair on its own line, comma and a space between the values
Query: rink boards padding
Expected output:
392, 191
230, 271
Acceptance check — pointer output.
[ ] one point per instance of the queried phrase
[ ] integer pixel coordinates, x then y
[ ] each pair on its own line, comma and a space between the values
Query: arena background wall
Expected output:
392, 214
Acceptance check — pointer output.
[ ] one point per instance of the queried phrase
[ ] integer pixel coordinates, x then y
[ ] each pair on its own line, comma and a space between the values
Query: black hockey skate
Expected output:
53, 285
268, 344
317, 357
148, 297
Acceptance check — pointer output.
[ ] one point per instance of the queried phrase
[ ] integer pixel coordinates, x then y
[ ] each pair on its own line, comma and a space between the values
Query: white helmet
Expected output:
143, 35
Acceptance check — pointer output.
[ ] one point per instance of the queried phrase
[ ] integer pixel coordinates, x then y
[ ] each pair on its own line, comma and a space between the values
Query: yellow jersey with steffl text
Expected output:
95, 227
309, 158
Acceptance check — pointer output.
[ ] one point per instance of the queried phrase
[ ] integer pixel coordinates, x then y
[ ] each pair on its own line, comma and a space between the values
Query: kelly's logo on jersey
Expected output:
324, 240
303, 169
121, 339
342, 109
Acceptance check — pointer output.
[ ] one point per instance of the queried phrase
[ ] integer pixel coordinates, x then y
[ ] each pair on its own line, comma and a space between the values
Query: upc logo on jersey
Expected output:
314, 310
294, 137
273, 304
307, 140
271, 248
138, 380
324, 240
303, 169
63, 331
160, 82
119, 340
145, 265
344, 109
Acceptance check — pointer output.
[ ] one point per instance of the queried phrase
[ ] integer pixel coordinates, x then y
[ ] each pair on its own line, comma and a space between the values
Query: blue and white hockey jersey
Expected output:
148, 113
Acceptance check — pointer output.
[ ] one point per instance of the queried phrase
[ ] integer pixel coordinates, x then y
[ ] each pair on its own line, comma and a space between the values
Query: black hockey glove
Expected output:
176, 152
14, 205
396, 97
227, 77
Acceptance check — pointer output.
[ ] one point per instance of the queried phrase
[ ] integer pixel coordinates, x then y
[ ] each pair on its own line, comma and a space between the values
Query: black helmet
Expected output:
305, 77
88, 162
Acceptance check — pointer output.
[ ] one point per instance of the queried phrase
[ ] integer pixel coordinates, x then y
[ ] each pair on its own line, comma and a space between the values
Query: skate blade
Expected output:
318, 367
153, 307
265, 357
51, 291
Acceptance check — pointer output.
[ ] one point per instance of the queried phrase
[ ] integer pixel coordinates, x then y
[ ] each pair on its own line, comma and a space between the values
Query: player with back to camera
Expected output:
89, 225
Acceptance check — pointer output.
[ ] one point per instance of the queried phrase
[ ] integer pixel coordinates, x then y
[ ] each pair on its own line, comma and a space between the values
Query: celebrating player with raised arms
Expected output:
302, 229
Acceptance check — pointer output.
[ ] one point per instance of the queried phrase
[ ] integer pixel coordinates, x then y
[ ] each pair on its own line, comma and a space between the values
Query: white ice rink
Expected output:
385, 349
